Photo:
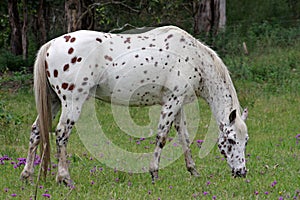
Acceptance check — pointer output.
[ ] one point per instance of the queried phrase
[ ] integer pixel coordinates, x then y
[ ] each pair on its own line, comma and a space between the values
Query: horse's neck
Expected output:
220, 95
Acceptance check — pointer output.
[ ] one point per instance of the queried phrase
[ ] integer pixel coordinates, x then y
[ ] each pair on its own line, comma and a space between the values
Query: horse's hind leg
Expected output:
69, 115
34, 142
181, 128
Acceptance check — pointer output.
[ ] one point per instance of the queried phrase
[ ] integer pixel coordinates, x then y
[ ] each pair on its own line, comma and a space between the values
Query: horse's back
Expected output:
139, 67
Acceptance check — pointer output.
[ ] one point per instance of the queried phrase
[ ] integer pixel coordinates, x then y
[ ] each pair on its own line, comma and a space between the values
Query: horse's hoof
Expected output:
154, 175
26, 177
67, 181
194, 172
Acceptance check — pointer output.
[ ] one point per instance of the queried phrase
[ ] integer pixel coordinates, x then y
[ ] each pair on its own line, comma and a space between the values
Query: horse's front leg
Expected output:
33, 144
169, 110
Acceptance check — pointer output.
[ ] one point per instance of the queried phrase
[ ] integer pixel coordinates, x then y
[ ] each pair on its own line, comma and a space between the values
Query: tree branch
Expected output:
92, 6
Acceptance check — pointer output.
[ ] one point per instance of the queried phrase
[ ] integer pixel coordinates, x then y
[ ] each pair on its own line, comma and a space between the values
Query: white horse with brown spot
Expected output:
165, 66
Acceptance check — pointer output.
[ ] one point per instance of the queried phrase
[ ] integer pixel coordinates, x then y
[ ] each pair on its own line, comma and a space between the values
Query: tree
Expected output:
24, 30
79, 15
15, 25
41, 23
73, 12
18, 36
209, 16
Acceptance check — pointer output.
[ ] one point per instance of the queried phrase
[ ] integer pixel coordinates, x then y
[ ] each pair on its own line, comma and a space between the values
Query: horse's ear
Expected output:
245, 114
232, 116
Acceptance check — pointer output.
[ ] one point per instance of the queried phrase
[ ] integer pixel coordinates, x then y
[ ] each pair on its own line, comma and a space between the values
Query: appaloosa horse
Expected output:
164, 66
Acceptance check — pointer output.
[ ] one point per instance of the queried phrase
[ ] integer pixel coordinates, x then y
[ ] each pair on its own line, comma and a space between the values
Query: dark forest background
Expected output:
232, 28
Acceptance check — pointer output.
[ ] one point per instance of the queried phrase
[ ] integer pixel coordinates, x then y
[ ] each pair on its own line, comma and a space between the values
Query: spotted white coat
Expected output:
165, 66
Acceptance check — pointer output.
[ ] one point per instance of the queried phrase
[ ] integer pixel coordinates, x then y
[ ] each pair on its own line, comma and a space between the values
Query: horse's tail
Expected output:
43, 104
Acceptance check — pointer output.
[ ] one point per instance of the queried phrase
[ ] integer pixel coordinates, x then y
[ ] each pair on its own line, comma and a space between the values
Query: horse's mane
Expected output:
225, 75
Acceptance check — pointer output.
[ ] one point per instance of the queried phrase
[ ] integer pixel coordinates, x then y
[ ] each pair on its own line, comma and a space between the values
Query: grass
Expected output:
273, 154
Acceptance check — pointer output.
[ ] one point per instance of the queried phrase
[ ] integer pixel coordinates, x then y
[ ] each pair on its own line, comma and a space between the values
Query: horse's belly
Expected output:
130, 94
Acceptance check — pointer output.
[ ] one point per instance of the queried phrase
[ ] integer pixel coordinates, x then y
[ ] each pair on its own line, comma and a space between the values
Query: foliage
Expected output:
14, 63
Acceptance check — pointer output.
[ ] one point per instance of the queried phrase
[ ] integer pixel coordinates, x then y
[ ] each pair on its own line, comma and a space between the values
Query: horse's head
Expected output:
232, 142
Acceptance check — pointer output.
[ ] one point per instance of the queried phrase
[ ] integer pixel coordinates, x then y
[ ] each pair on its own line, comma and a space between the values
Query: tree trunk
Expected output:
73, 10
209, 16
15, 26
87, 15
24, 31
41, 23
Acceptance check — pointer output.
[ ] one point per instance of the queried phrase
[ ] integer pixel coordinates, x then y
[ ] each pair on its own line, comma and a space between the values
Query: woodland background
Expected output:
224, 25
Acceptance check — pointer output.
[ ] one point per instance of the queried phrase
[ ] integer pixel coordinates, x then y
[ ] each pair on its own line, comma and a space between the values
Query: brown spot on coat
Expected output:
55, 73
127, 40
71, 87
106, 57
67, 37
64, 86
70, 51
73, 60
72, 39
99, 40
169, 36
66, 67
46, 64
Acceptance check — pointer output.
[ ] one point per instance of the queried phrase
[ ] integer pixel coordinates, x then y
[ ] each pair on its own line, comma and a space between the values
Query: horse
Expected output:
164, 66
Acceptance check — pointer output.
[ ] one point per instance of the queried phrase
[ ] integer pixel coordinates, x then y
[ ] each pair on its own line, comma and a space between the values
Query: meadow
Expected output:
268, 84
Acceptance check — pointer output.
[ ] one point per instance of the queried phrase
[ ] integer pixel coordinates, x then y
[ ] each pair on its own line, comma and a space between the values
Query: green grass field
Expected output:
273, 152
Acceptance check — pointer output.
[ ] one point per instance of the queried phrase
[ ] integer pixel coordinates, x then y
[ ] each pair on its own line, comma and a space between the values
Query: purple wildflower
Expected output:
92, 182
274, 183
266, 192
13, 195
200, 141
280, 198
297, 138
214, 197
175, 144
205, 193
46, 195
256, 192
171, 187
208, 183
93, 170
129, 183
6, 190
138, 142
